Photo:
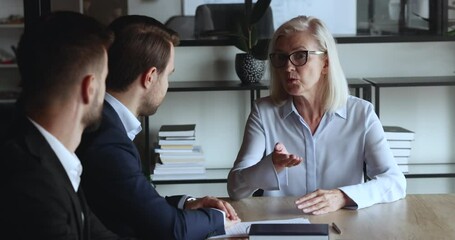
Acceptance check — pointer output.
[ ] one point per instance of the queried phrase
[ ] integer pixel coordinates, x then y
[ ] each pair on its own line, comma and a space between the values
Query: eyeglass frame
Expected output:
288, 57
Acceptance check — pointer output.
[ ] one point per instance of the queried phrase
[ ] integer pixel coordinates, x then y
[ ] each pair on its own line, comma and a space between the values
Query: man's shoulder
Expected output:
30, 159
22, 144
107, 143
109, 131
15, 155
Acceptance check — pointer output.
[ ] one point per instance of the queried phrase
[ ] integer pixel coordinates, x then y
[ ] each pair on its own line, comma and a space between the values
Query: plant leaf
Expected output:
248, 10
260, 50
241, 41
254, 36
242, 44
259, 10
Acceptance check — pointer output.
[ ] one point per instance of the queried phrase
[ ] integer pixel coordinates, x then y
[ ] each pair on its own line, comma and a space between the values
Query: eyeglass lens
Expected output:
298, 58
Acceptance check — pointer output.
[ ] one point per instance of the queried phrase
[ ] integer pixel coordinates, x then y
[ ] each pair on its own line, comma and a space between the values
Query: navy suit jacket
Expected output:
38, 200
122, 197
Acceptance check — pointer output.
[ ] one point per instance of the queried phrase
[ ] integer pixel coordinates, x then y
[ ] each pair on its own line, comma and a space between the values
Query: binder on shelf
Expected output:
176, 142
174, 151
182, 130
286, 231
195, 151
398, 133
163, 169
181, 159
164, 177
189, 147
179, 138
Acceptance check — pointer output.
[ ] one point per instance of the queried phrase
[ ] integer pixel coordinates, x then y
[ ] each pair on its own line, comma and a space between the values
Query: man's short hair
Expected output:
141, 42
55, 51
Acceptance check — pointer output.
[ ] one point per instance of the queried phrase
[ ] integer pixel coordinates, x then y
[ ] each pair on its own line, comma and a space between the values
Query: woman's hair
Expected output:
335, 91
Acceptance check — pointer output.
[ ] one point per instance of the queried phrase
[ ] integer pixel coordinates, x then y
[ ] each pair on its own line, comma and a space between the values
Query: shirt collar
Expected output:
288, 107
342, 111
69, 160
131, 124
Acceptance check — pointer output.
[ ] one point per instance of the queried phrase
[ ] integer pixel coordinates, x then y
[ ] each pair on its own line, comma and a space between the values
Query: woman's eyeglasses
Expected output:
298, 58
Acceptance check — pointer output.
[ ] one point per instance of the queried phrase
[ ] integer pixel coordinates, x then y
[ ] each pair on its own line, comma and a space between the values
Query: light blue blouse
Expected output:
333, 156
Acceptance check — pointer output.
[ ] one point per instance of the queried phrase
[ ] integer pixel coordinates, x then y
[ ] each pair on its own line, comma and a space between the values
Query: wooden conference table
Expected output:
418, 216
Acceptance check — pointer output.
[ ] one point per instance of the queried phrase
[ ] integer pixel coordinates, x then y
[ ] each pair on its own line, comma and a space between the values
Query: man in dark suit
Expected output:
63, 64
140, 62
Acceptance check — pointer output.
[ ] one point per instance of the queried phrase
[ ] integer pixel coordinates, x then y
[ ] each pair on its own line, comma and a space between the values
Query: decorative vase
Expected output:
249, 69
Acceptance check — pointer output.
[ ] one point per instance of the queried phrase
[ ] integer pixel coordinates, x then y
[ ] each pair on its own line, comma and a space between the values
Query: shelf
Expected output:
393, 38
216, 175
219, 175
12, 26
412, 81
338, 39
8, 65
431, 170
235, 85
215, 86
379, 83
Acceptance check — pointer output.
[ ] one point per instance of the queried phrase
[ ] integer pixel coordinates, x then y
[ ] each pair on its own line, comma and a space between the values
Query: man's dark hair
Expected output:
55, 52
141, 42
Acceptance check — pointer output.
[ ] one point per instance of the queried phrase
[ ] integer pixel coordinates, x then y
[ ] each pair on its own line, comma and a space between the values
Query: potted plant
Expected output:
250, 65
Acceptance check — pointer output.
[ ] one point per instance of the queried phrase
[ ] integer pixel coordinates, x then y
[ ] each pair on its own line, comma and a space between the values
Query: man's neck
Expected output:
129, 100
62, 125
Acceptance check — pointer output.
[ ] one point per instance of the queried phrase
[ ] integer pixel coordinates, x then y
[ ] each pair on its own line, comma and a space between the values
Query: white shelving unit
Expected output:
8, 65
10, 34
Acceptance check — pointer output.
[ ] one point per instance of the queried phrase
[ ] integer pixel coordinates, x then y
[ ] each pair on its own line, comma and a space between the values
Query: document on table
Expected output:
241, 229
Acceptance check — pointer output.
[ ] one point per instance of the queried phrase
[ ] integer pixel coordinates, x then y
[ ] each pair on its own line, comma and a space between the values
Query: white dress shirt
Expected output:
69, 160
332, 158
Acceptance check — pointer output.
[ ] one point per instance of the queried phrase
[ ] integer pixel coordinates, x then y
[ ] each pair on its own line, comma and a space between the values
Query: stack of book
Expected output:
400, 142
178, 156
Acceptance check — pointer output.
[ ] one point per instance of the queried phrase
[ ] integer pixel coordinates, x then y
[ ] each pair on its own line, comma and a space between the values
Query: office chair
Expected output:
218, 18
183, 25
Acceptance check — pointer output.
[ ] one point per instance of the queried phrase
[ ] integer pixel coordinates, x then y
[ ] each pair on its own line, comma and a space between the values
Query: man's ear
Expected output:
88, 88
149, 77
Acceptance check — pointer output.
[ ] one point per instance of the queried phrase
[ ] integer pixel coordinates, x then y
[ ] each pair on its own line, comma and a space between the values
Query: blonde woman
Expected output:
310, 138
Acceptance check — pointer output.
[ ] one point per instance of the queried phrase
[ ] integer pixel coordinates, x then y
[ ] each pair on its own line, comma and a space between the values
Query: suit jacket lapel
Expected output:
111, 116
40, 148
